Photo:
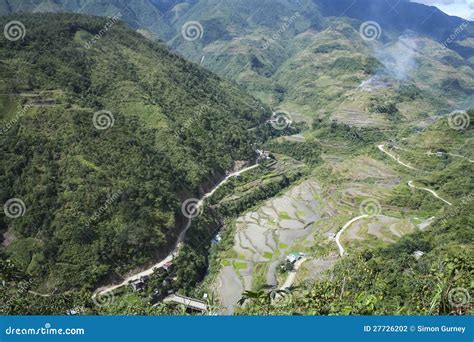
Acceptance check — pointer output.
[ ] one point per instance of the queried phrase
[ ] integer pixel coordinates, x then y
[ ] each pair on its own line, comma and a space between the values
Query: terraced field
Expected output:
306, 218
375, 231
264, 237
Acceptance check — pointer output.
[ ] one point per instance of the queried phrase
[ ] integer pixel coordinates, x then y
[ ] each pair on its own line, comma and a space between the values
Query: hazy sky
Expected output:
460, 8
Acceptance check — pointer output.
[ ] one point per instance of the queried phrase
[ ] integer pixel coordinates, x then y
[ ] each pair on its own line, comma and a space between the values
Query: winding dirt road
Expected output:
450, 154
347, 225
210, 193
397, 159
292, 274
411, 185
104, 290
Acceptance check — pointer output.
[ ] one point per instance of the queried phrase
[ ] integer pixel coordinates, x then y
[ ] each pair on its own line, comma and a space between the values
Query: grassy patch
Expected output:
268, 255
259, 272
8, 108
300, 213
283, 215
81, 159
240, 265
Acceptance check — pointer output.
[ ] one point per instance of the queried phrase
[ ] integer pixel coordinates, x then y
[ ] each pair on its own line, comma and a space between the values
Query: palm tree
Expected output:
264, 296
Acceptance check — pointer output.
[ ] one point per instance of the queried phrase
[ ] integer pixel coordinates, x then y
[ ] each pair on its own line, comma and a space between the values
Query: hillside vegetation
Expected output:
102, 201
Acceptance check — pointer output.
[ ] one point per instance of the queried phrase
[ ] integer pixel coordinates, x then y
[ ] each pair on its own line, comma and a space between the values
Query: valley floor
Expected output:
323, 220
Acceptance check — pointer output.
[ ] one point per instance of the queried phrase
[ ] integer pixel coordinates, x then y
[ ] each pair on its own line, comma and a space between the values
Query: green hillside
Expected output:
102, 201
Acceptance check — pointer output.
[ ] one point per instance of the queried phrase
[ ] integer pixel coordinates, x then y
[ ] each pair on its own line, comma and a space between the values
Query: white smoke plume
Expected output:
398, 59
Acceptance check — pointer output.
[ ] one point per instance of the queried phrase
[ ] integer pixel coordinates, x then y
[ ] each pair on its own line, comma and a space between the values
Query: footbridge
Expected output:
186, 301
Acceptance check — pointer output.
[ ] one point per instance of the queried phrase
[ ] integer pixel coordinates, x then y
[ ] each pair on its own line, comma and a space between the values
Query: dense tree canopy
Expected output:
102, 201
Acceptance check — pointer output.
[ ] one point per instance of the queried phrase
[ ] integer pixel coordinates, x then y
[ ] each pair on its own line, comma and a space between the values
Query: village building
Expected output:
418, 254
138, 285
263, 155
294, 257
216, 240
167, 267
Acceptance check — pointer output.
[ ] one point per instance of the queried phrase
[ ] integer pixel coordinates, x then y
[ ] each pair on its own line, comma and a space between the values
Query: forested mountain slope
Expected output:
101, 140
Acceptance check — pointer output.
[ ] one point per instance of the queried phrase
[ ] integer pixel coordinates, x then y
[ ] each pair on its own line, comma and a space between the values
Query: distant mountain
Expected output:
309, 58
105, 130
396, 15
103, 134
137, 14
161, 16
